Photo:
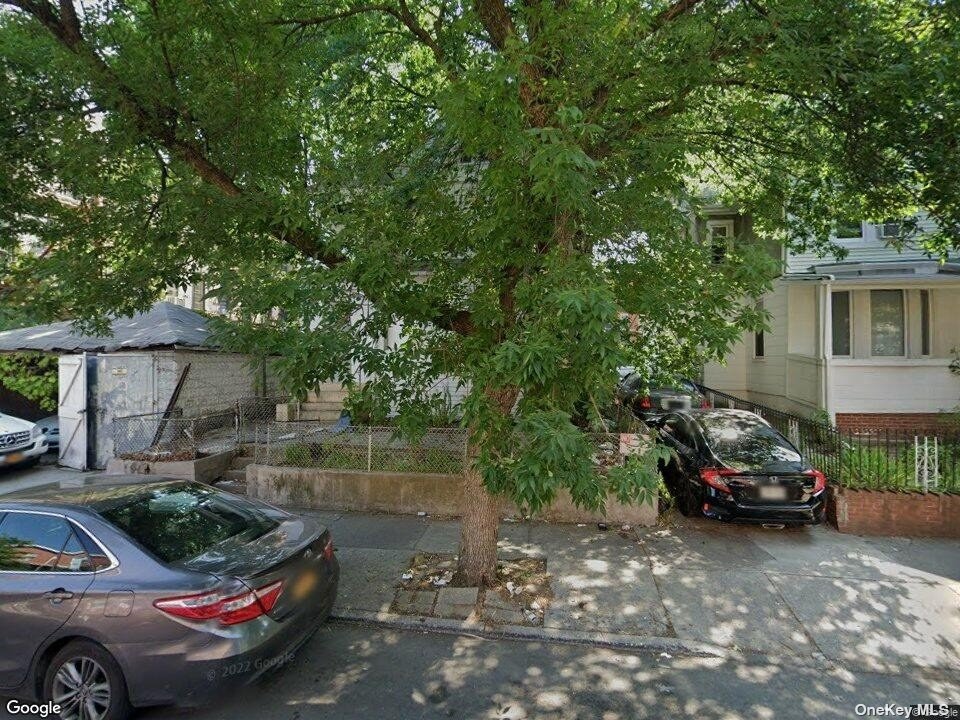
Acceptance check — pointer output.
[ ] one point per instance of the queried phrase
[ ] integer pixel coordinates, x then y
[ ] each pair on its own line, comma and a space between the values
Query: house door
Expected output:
73, 411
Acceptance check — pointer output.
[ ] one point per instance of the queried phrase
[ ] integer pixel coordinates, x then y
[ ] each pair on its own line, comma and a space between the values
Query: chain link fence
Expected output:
608, 452
185, 436
254, 414
313, 444
156, 436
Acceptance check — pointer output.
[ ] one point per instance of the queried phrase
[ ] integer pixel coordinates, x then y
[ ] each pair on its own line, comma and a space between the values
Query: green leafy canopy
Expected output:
507, 179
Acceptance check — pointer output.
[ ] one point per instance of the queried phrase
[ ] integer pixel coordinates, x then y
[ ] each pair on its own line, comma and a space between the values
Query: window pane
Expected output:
719, 237
98, 558
846, 228
890, 228
886, 322
31, 542
840, 313
924, 322
758, 348
73, 557
179, 522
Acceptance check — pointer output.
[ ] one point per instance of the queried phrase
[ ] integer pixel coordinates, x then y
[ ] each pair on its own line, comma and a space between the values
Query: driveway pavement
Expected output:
46, 473
811, 594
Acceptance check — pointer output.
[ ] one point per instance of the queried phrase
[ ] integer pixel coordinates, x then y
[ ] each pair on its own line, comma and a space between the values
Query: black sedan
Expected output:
132, 593
650, 402
732, 465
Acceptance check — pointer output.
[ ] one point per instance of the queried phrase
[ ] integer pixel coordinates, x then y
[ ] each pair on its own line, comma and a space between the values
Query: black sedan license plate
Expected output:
773, 492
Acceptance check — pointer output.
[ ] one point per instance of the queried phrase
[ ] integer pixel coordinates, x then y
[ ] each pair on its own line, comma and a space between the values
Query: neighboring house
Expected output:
868, 338
192, 296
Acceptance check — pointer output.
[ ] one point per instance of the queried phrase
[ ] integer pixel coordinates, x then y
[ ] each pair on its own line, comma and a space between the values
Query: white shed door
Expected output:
73, 411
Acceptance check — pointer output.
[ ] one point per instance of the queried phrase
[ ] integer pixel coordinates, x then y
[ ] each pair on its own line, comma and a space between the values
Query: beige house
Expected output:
868, 339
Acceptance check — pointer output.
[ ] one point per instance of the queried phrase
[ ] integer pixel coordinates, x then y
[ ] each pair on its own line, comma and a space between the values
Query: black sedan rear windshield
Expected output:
747, 442
181, 521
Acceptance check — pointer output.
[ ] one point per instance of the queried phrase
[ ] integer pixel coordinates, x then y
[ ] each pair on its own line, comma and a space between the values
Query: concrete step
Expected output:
330, 416
333, 395
332, 405
241, 461
235, 474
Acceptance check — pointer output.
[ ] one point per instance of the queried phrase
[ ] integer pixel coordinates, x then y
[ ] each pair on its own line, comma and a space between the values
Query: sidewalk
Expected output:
876, 604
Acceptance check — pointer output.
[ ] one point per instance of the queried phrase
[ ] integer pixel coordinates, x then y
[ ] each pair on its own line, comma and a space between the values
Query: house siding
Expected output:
869, 248
899, 385
786, 378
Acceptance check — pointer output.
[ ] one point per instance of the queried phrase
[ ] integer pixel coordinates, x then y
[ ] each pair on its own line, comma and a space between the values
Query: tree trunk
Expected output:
477, 565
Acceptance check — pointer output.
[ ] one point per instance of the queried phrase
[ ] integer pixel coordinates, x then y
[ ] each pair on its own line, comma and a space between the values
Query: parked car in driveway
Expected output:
126, 593
50, 427
21, 441
732, 465
648, 402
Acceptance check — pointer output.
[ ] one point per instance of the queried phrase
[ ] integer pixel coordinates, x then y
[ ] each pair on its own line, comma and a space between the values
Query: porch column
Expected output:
825, 341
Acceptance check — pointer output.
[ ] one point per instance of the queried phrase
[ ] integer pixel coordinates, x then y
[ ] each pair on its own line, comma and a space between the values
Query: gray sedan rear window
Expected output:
179, 522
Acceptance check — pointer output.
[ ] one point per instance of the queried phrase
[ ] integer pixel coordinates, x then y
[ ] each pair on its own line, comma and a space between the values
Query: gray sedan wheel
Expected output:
87, 684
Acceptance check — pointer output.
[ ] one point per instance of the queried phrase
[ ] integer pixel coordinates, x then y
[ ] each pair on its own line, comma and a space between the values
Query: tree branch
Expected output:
672, 12
324, 19
159, 126
401, 13
496, 21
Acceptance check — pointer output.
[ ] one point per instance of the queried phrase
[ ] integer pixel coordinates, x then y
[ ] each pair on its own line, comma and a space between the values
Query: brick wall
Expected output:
923, 422
881, 512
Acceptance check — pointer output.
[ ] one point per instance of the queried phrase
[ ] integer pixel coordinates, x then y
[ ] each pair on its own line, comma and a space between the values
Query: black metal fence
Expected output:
864, 457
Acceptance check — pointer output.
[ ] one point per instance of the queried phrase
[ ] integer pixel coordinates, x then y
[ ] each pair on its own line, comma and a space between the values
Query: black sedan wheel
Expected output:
678, 486
87, 684
692, 498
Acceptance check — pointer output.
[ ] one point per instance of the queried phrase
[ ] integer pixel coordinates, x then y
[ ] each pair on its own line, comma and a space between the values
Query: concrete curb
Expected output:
672, 646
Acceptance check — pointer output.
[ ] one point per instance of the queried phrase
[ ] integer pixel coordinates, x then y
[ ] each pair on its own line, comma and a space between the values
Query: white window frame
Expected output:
728, 224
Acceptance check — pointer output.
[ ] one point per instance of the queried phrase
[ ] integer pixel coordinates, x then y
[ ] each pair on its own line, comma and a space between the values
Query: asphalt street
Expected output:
354, 671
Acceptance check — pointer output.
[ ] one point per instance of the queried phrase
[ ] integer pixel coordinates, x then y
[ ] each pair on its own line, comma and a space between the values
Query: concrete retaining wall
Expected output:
407, 493
880, 512
205, 469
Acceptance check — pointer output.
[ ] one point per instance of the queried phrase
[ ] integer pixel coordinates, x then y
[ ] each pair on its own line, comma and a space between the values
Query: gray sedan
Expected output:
126, 593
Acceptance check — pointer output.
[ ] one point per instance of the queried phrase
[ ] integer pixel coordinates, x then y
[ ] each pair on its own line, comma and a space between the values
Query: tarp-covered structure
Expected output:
165, 325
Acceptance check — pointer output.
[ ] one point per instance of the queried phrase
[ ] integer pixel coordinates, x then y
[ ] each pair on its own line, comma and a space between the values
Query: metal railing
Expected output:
864, 457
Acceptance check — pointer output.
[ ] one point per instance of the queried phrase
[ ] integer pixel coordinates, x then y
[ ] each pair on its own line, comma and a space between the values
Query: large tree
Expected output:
510, 179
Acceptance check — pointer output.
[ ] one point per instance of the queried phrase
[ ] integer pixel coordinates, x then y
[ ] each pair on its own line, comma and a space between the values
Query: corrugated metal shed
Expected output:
165, 325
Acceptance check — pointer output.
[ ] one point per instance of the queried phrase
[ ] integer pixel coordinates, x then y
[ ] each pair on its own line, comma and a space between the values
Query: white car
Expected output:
50, 427
21, 441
